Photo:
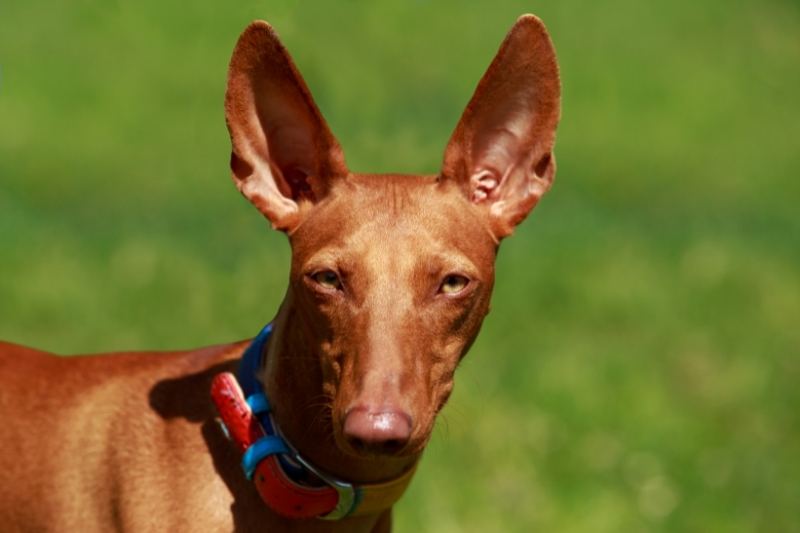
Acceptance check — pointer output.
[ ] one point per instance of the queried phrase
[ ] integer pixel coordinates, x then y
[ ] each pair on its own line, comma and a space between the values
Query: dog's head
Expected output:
391, 275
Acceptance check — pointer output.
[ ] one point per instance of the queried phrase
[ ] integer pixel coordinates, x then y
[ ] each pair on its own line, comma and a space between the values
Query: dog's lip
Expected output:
405, 452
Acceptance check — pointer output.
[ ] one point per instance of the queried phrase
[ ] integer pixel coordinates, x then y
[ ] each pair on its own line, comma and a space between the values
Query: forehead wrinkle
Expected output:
394, 247
387, 252
416, 222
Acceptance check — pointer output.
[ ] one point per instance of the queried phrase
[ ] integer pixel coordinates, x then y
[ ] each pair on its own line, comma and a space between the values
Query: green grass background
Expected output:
641, 366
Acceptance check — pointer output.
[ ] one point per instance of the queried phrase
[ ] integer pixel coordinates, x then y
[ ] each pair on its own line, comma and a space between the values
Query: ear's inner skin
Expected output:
283, 151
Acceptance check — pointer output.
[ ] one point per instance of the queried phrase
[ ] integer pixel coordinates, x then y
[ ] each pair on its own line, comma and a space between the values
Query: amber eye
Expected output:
327, 279
453, 283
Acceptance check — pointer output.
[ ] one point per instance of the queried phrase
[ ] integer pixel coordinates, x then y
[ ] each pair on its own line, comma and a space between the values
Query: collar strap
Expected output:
287, 482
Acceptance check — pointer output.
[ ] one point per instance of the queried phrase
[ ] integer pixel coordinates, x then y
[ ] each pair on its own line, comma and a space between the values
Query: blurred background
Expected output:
640, 370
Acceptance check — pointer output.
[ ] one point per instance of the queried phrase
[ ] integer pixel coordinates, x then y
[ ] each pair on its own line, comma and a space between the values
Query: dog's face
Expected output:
392, 275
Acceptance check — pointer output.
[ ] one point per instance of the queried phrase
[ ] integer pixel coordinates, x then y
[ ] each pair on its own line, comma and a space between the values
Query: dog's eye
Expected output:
453, 283
327, 279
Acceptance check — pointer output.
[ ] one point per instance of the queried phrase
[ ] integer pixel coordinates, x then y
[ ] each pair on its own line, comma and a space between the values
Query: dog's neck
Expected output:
293, 380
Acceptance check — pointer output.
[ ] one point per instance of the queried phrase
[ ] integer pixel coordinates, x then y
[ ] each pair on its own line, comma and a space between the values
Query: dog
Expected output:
318, 423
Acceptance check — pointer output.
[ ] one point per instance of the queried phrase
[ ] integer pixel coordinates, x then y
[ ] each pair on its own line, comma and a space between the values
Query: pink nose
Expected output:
382, 431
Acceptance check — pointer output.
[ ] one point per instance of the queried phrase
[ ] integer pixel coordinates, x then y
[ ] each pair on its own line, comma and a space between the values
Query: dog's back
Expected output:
78, 429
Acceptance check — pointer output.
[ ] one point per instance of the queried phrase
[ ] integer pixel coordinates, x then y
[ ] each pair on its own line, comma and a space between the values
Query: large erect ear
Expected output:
501, 152
284, 156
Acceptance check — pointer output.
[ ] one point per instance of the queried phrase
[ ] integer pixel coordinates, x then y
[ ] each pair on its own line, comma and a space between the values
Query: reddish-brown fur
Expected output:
391, 278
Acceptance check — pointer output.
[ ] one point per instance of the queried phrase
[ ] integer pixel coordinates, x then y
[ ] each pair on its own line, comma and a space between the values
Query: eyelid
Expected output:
456, 264
323, 259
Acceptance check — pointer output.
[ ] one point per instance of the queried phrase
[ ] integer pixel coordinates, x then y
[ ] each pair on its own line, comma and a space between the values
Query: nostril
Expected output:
383, 432
393, 445
357, 444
